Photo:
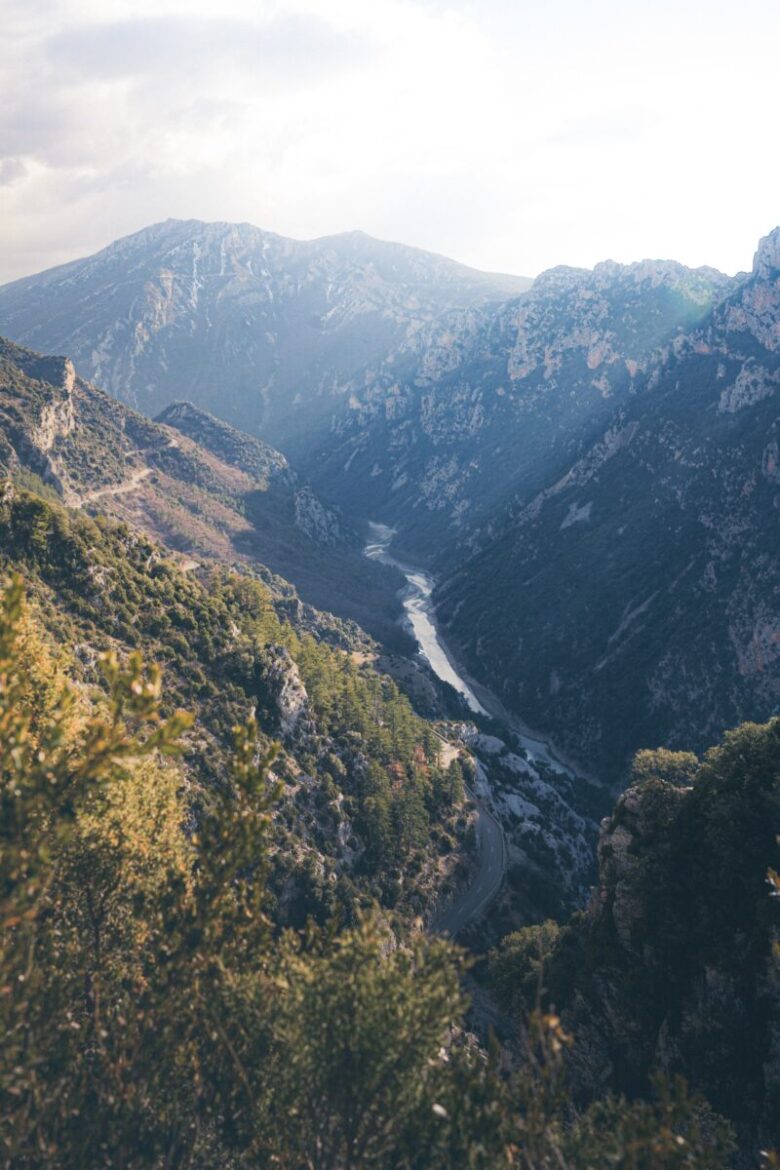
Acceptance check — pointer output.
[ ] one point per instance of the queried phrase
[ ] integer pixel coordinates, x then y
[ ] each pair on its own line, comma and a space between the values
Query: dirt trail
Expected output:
118, 489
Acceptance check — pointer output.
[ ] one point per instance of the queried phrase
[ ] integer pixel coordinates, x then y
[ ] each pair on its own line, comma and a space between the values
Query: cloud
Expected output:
510, 135
285, 46
11, 170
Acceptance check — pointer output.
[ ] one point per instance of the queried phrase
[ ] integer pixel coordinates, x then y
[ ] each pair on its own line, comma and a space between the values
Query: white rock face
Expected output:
766, 262
289, 693
577, 514
58, 417
752, 384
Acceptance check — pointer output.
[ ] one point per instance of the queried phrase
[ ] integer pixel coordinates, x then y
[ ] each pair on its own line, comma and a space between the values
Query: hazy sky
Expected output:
510, 134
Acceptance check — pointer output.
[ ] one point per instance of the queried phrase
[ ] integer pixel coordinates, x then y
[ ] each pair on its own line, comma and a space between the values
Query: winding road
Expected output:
491, 845
118, 489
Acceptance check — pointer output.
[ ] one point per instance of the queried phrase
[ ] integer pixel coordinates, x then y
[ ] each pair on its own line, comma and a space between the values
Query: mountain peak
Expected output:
766, 262
235, 318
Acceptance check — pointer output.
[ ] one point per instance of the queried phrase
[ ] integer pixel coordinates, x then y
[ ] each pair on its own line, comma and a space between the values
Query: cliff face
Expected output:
37, 412
487, 403
633, 600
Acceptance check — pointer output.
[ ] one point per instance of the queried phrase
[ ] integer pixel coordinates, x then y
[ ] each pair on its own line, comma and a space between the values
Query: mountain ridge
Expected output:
96, 453
649, 562
449, 422
265, 330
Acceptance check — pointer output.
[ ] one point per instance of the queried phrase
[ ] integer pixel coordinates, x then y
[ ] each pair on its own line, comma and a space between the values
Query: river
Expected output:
472, 902
421, 616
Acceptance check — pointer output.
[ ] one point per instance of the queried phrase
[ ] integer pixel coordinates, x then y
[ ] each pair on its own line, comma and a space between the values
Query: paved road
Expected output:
474, 901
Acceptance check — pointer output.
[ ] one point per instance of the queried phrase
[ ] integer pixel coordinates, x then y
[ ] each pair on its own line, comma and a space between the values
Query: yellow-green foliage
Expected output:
150, 1019
106, 586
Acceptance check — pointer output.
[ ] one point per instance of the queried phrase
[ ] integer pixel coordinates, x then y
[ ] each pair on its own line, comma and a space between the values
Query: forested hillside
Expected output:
364, 795
153, 1017
671, 967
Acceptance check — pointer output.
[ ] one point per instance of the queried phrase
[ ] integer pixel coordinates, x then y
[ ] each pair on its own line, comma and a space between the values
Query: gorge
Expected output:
495, 508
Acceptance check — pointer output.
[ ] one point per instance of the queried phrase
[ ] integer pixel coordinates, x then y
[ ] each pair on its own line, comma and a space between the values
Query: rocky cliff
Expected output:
488, 403
204, 488
633, 600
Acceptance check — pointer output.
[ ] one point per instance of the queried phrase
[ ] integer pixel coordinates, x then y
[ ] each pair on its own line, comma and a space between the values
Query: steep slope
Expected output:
229, 497
635, 599
489, 402
365, 806
264, 331
222, 499
671, 968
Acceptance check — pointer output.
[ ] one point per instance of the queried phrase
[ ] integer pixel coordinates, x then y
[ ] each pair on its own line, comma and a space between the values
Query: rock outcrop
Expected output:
286, 689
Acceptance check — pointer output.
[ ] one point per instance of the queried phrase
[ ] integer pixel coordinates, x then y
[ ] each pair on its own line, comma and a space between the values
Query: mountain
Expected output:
488, 402
576, 462
226, 957
218, 499
258, 915
199, 485
634, 599
127, 533
263, 331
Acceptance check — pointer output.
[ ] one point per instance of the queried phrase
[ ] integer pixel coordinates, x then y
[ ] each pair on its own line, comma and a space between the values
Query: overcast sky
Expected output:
510, 134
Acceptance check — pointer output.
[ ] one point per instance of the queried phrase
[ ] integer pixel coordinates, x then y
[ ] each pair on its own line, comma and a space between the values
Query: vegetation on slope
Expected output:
151, 1018
670, 969
367, 807
202, 487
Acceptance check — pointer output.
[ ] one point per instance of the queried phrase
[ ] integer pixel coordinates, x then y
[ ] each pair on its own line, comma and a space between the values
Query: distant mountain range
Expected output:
264, 331
588, 463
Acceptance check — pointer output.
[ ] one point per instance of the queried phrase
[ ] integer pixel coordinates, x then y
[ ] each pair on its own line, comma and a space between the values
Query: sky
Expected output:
512, 135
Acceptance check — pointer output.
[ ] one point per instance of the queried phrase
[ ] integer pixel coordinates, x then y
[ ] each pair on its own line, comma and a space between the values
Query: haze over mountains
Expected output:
587, 464
262, 330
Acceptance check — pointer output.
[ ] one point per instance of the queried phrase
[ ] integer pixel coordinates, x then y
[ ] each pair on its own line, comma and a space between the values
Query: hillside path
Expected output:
118, 489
